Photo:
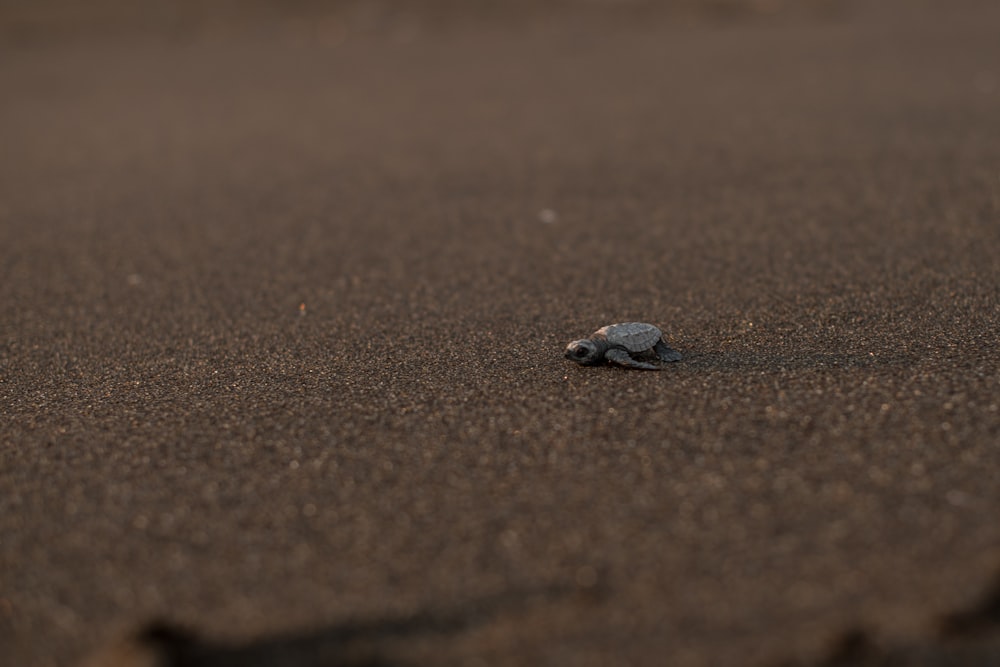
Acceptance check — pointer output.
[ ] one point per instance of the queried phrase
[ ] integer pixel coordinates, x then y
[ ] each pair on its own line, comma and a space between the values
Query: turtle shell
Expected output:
633, 336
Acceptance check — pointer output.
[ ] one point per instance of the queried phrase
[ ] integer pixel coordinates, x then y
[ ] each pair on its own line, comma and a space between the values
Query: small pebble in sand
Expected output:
548, 216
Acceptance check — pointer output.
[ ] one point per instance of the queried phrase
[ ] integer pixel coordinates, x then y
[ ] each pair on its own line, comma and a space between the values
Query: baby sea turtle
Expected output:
632, 344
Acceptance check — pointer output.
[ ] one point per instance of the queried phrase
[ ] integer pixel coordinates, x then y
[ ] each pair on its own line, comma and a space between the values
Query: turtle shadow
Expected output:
379, 642
781, 363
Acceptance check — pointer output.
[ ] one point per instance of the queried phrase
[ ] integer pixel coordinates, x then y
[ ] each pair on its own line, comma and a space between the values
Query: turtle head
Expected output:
584, 352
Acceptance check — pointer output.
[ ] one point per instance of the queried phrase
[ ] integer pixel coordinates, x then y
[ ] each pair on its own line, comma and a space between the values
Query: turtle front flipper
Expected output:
622, 358
666, 353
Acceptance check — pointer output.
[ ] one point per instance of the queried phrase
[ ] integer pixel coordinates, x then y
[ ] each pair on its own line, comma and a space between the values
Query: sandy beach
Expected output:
286, 293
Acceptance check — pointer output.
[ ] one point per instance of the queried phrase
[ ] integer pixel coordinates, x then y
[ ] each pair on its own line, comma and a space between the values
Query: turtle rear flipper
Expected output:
666, 353
622, 358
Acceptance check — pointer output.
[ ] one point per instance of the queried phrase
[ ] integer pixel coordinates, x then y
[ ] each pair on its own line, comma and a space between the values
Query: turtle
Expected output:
630, 344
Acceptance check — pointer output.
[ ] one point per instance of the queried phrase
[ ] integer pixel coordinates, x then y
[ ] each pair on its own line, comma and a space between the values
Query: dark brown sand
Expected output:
283, 320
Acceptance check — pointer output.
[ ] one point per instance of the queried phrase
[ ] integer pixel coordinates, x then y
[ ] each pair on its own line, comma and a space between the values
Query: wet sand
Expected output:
284, 306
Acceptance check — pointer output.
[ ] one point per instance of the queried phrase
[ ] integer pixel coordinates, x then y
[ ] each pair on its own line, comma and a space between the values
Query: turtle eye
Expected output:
581, 352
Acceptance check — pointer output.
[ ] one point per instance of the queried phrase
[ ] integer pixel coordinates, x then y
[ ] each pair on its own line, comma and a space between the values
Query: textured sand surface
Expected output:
283, 312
